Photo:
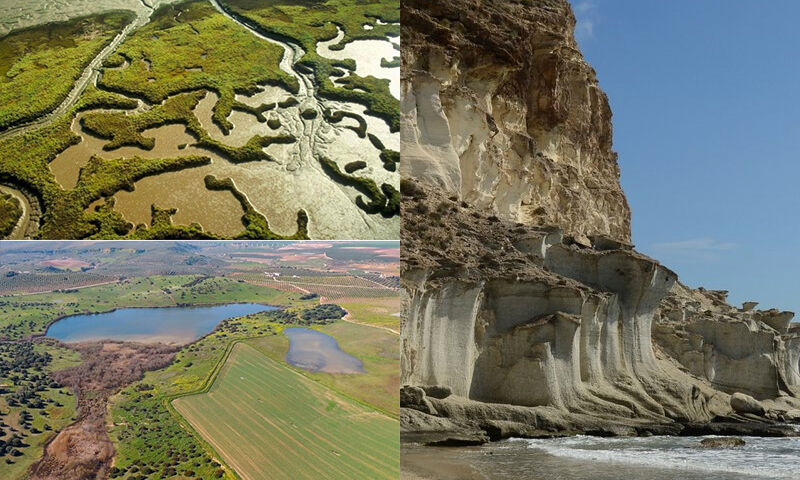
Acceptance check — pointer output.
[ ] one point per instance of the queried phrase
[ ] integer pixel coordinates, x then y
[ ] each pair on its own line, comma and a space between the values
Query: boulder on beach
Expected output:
741, 403
722, 442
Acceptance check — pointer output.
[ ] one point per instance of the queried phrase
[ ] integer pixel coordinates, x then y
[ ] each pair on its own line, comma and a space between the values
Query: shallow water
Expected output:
217, 211
318, 352
595, 458
368, 55
163, 324
67, 164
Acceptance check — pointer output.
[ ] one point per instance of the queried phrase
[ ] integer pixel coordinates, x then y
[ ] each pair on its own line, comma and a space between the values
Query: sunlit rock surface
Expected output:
524, 296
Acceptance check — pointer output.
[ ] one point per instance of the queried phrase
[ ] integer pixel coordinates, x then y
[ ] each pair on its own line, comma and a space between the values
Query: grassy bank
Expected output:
10, 211
39, 65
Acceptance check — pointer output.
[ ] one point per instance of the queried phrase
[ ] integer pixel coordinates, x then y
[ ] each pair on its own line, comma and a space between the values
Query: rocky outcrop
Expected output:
527, 311
742, 403
722, 442
508, 315
500, 109
735, 349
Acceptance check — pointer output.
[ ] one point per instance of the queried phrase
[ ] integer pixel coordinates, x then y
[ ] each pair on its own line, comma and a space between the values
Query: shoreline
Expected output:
591, 458
43, 335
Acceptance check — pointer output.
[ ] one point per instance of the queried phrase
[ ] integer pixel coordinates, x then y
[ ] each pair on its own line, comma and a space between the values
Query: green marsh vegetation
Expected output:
126, 129
339, 115
191, 46
171, 63
10, 211
310, 22
256, 225
39, 65
393, 63
390, 158
25, 158
384, 199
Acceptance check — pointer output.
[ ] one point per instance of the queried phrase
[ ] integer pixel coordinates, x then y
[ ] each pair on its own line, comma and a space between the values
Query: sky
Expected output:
705, 97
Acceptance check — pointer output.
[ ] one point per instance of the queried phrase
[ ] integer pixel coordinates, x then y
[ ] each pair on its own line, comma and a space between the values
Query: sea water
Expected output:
596, 458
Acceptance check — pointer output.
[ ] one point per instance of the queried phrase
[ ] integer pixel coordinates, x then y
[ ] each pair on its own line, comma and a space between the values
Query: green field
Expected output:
283, 425
378, 349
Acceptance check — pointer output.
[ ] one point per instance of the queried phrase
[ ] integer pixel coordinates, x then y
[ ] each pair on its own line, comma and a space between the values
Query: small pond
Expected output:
318, 352
163, 324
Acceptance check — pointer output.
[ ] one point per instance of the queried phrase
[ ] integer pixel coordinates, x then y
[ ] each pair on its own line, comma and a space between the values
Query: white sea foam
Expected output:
775, 458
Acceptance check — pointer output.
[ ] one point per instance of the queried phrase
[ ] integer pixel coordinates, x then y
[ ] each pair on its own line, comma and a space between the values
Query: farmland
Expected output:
125, 400
141, 447
317, 434
331, 287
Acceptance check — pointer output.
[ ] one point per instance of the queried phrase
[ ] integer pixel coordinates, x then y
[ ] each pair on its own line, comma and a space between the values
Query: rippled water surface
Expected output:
594, 458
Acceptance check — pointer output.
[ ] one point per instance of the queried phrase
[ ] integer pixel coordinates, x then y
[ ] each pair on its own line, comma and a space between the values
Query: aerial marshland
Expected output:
182, 360
206, 119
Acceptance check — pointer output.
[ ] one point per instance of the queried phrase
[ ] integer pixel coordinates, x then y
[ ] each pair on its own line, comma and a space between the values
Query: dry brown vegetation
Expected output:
83, 450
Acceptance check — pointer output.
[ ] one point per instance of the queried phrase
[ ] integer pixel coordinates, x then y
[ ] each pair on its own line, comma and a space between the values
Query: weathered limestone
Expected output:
527, 310
500, 109
506, 314
742, 403
736, 350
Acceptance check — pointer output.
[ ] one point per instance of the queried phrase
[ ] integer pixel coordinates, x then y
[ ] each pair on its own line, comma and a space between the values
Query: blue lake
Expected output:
163, 324
318, 352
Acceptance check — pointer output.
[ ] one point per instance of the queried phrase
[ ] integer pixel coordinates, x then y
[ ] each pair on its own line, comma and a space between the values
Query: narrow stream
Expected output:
307, 95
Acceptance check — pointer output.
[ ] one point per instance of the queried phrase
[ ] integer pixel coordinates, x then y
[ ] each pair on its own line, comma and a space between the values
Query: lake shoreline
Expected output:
43, 335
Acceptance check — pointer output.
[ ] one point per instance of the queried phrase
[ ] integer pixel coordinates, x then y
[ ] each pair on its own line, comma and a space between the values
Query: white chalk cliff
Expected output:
527, 311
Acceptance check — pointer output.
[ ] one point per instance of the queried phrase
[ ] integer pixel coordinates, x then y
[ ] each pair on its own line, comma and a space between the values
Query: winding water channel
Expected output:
278, 190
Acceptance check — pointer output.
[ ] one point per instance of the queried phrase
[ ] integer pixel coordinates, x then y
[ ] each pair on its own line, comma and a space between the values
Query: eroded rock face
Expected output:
735, 349
507, 314
500, 109
524, 299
